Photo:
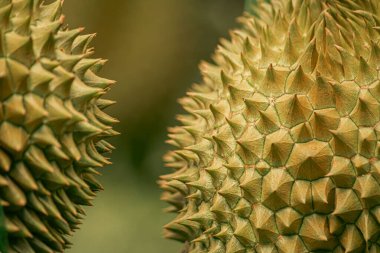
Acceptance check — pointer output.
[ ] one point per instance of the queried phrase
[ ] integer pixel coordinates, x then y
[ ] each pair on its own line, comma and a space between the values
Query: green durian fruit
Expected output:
52, 126
279, 148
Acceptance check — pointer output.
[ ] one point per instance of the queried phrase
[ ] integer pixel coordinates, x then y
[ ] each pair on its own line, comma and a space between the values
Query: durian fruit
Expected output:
279, 148
52, 126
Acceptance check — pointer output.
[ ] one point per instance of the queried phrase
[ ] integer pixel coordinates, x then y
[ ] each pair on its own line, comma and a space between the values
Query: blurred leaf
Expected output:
3, 232
154, 48
251, 4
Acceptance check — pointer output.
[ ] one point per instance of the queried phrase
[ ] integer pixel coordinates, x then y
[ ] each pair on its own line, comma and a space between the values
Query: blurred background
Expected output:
154, 48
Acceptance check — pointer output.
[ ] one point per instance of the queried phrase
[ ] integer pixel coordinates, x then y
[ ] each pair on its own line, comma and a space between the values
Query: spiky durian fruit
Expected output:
52, 126
279, 151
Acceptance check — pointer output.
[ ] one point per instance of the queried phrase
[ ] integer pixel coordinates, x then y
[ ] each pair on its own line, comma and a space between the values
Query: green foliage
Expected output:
3, 232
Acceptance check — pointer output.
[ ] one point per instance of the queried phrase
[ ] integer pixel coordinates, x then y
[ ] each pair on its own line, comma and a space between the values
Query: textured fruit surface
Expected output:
279, 149
52, 126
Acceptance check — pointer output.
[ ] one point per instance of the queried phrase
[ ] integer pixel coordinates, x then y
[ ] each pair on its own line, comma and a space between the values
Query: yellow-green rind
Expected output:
279, 148
52, 126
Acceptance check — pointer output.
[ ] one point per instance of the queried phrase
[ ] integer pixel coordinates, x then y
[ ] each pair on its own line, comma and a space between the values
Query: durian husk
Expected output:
278, 148
52, 127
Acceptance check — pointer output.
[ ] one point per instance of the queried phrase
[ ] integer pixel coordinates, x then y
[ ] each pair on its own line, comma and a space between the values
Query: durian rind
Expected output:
52, 127
279, 149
